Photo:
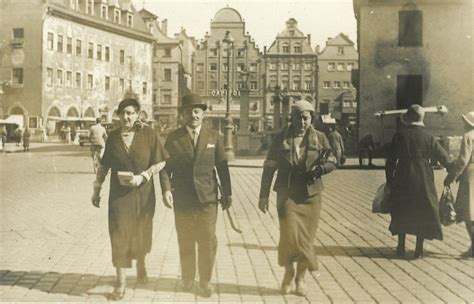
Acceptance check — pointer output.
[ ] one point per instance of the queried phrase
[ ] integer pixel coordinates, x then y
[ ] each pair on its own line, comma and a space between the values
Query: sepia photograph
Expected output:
236, 151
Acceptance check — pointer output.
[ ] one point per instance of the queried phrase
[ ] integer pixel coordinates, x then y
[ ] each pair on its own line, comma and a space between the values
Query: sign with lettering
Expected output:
224, 92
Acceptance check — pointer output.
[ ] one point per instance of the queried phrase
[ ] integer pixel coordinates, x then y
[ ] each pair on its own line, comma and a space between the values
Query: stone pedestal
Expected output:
243, 143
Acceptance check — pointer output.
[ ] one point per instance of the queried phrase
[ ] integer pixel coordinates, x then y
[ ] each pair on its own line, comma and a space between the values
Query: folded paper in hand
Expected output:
125, 177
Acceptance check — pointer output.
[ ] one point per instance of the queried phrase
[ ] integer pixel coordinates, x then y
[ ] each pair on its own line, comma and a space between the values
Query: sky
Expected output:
264, 19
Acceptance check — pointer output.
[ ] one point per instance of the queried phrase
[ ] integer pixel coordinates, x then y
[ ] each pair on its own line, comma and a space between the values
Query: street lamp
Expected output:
228, 123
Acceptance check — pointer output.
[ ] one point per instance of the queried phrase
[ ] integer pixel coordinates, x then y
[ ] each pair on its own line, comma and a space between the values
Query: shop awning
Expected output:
13, 119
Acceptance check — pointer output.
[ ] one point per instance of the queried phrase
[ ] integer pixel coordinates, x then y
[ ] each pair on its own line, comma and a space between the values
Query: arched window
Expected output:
89, 113
72, 112
17, 111
54, 113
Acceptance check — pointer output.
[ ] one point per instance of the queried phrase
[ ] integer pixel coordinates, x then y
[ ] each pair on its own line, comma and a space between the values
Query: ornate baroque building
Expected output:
210, 76
69, 61
290, 73
336, 92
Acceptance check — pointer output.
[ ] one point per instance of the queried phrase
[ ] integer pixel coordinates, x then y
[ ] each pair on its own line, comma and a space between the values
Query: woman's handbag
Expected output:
447, 212
381, 202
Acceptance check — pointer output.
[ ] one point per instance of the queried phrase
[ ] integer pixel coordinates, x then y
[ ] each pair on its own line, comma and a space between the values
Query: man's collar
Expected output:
197, 130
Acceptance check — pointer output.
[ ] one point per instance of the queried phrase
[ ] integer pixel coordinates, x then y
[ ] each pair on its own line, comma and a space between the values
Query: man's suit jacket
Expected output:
190, 171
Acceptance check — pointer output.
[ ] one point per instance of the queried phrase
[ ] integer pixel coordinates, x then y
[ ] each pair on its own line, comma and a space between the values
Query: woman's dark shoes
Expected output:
418, 254
142, 277
400, 251
118, 293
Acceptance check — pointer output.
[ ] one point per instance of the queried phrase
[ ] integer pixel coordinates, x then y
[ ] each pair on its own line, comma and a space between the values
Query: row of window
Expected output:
340, 66
286, 48
346, 103
94, 51
336, 84
253, 85
104, 12
284, 66
166, 99
65, 78
213, 67
295, 86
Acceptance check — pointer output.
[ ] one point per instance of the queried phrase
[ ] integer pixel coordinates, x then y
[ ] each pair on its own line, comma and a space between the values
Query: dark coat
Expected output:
192, 170
415, 207
131, 210
292, 176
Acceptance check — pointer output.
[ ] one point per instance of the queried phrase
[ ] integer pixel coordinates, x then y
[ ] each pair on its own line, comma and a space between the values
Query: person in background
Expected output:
18, 136
337, 143
414, 201
67, 133
294, 152
135, 149
26, 139
98, 137
197, 157
366, 146
44, 135
3, 137
462, 170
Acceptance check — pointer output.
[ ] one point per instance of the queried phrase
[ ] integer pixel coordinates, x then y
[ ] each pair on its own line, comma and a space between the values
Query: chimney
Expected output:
309, 39
164, 26
264, 49
317, 49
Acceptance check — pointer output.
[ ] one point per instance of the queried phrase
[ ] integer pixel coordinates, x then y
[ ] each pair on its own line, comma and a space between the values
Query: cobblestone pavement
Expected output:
55, 245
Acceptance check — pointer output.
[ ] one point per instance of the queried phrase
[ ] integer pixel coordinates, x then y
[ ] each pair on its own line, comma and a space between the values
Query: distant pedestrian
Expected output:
44, 135
67, 133
18, 136
297, 154
415, 208
366, 146
337, 143
135, 149
26, 140
463, 172
3, 137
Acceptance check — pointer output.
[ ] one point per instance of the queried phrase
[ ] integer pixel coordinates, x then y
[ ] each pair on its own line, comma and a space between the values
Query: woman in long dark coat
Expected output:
462, 171
294, 152
415, 207
134, 148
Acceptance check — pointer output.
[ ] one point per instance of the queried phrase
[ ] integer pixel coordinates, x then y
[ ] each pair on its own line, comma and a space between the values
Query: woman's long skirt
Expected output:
298, 225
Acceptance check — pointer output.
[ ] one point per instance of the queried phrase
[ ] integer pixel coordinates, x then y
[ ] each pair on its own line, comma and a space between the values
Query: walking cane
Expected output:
229, 215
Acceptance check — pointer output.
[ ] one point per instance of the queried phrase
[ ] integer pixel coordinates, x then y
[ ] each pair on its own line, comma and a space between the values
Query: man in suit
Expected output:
190, 185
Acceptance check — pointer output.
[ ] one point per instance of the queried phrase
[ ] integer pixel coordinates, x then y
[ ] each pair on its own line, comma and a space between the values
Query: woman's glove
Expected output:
263, 204
448, 180
314, 174
96, 198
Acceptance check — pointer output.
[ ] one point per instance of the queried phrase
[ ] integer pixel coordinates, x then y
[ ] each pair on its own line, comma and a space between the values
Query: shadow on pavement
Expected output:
91, 172
77, 284
369, 252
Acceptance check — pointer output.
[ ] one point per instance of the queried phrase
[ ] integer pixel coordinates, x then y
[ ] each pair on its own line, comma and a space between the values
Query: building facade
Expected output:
172, 70
212, 72
290, 73
68, 62
336, 92
414, 52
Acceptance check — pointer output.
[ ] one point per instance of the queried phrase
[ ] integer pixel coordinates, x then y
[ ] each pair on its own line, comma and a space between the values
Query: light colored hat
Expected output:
414, 116
469, 119
301, 106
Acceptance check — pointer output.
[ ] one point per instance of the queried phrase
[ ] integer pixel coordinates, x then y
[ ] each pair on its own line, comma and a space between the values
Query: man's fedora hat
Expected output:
414, 116
192, 100
469, 119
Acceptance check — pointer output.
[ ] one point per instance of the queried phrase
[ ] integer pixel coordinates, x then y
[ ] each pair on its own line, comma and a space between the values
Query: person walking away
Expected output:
462, 171
135, 149
296, 153
337, 143
18, 136
26, 140
191, 187
68, 134
414, 200
366, 146
97, 137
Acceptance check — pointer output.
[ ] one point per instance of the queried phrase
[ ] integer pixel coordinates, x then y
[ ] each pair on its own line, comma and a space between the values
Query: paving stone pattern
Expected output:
54, 246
